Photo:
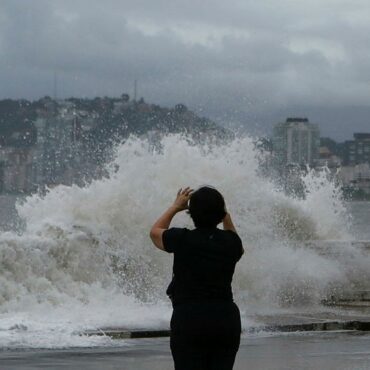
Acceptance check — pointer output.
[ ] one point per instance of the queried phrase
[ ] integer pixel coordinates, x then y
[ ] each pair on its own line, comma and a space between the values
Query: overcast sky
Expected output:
237, 61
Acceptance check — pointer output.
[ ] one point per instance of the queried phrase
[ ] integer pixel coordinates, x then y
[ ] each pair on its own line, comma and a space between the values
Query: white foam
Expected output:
85, 260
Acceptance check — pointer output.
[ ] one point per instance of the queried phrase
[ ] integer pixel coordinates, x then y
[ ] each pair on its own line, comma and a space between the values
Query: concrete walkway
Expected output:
332, 339
355, 317
296, 351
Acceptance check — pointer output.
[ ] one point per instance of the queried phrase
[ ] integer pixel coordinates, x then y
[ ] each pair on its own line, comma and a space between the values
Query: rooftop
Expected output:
361, 136
297, 119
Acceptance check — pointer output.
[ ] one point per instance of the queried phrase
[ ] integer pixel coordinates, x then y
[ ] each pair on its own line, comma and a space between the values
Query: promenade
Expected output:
338, 338
308, 351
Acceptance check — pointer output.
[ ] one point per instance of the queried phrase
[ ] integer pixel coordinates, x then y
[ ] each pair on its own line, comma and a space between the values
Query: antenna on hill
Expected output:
55, 89
135, 90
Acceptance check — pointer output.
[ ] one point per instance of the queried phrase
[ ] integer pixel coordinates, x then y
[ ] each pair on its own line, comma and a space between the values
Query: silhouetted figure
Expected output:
205, 324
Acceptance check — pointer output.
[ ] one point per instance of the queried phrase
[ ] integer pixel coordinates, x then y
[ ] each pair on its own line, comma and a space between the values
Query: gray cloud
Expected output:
243, 61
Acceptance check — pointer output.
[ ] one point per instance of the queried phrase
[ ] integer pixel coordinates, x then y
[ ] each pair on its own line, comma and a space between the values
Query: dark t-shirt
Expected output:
204, 263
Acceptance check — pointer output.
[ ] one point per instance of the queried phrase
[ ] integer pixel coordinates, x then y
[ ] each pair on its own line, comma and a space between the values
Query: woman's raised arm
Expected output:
164, 221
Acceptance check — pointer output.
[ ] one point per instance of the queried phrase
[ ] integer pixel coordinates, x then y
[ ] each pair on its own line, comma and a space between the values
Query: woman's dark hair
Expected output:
207, 207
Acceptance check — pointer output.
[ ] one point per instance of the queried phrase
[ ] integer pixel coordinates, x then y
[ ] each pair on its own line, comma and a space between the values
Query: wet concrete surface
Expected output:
333, 318
306, 351
345, 318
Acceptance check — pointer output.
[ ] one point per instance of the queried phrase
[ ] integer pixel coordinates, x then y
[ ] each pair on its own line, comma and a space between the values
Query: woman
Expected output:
205, 324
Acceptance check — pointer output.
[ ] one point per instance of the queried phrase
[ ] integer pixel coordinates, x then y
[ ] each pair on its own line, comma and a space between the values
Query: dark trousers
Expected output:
205, 335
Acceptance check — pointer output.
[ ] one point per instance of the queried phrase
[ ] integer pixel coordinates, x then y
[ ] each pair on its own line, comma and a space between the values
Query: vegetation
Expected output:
106, 119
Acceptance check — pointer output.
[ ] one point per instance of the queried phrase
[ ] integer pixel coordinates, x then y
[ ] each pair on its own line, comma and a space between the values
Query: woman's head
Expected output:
207, 207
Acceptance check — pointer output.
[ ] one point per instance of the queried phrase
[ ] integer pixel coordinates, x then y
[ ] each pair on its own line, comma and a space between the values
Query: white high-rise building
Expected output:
296, 142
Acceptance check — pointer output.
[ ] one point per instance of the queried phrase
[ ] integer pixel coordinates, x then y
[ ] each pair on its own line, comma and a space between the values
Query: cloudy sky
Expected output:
240, 62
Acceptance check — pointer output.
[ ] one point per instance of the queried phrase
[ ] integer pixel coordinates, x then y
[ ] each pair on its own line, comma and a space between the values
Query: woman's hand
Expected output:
228, 223
163, 223
182, 199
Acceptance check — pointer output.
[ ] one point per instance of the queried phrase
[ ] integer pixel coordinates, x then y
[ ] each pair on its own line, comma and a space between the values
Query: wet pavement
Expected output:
334, 318
306, 351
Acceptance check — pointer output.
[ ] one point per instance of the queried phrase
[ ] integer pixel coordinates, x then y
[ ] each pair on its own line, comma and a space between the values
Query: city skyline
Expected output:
267, 134
50, 142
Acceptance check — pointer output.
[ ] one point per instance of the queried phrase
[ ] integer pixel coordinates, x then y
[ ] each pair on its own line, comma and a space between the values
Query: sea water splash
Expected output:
85, 259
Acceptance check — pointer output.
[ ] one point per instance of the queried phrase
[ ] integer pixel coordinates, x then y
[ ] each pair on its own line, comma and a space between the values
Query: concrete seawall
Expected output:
338, 320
